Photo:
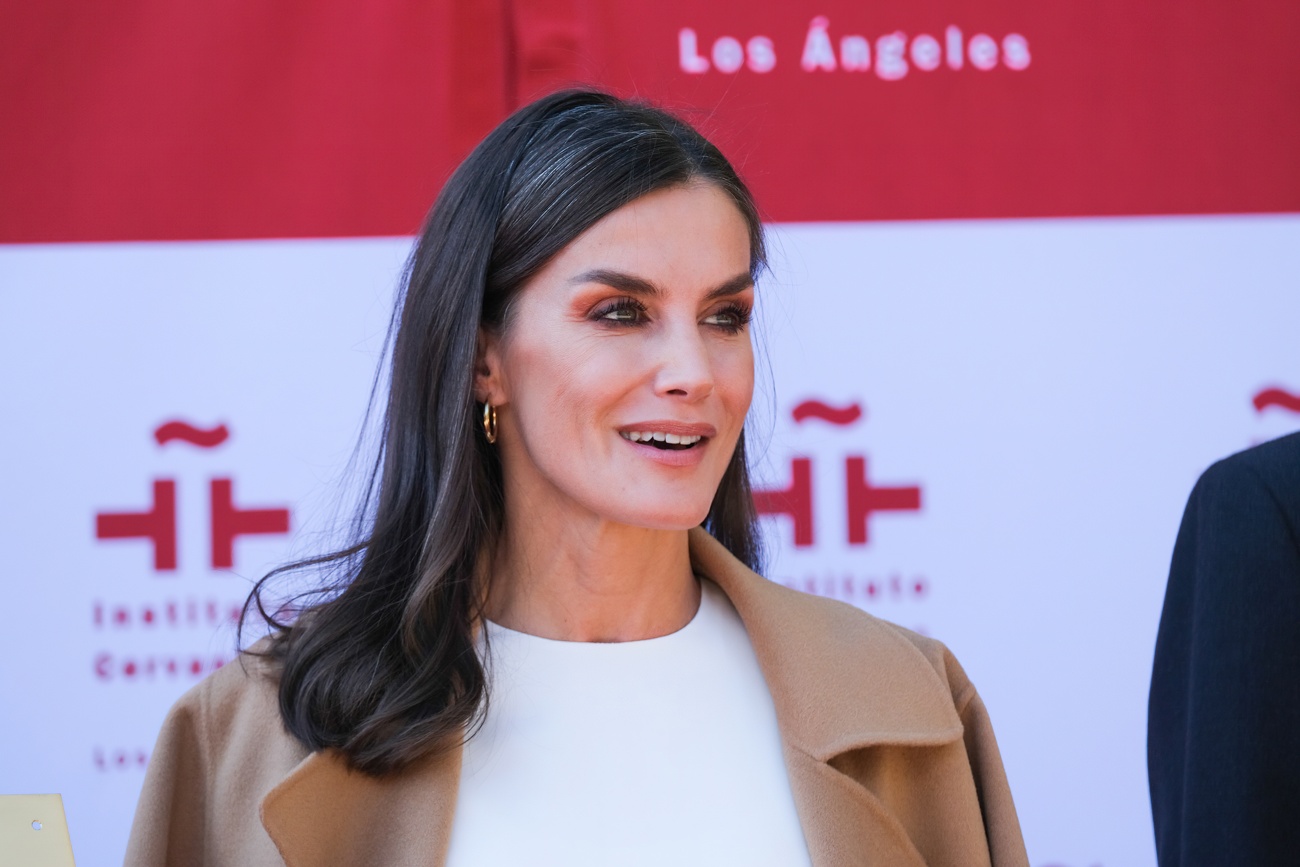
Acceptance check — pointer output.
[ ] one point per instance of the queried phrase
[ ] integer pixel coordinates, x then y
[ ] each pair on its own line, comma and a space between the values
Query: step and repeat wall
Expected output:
1035, 266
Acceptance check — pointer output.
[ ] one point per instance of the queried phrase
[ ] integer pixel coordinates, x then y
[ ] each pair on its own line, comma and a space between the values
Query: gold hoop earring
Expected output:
490, 422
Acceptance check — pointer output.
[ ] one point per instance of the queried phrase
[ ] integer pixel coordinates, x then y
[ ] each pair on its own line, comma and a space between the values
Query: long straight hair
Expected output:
382, 665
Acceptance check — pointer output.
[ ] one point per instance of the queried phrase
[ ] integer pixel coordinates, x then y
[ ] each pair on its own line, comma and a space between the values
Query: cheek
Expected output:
734, 377
556, 385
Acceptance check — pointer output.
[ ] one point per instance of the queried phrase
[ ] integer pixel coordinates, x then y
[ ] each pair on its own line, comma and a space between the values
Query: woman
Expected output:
562, 524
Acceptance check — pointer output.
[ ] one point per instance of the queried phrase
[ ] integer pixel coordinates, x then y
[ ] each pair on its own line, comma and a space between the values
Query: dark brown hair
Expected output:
382, 665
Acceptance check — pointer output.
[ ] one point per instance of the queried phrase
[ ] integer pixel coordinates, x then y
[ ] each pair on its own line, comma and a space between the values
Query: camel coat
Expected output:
889, 749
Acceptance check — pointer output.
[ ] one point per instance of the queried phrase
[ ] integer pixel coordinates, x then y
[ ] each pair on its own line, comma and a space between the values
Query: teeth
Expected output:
637, 436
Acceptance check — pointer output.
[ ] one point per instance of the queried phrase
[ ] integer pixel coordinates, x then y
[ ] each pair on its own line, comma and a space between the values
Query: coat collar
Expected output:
325, 813
840, 681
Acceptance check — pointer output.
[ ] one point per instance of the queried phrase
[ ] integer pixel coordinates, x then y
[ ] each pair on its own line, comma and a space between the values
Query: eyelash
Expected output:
740, 314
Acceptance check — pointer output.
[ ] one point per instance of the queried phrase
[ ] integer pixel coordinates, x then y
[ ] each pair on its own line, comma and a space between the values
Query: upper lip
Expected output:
681, 428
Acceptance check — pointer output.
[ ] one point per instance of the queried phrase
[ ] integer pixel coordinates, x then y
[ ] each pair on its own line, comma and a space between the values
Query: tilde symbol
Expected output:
1278, 397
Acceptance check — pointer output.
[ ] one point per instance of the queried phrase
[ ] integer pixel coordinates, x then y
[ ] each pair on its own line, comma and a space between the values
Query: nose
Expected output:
685, 369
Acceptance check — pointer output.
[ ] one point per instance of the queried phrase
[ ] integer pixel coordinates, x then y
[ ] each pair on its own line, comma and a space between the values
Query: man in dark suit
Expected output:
1223, 729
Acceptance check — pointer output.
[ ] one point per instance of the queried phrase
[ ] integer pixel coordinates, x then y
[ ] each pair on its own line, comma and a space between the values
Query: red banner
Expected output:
148, 120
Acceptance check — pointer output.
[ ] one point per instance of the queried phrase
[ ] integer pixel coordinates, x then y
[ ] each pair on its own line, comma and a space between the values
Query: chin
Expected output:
670, 517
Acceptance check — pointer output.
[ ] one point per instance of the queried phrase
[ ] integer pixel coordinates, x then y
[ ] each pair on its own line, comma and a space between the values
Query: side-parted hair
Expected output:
381, 665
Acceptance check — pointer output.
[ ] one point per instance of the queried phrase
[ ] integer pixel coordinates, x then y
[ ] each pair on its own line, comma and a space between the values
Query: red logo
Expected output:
863, 497
1278, 397
157, 523
186, 432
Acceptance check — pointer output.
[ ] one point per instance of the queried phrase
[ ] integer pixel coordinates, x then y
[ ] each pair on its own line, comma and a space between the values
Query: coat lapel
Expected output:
843, 823
326, 815
840, 682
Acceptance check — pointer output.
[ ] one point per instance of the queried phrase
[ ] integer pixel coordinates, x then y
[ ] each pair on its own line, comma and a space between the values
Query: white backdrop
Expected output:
1050, 388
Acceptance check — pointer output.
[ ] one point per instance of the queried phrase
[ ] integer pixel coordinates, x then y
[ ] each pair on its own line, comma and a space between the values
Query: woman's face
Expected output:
624, 374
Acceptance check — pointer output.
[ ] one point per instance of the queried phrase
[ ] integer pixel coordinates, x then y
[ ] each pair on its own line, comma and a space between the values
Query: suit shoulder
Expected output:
1274, 464
1260, 483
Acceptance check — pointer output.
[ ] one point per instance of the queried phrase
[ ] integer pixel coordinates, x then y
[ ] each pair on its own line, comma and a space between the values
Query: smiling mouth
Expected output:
665, 441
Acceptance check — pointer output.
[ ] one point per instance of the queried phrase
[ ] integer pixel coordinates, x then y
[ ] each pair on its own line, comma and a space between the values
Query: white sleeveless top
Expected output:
655, 752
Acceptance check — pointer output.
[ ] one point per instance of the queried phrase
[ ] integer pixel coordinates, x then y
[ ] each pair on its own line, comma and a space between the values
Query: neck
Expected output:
591, 580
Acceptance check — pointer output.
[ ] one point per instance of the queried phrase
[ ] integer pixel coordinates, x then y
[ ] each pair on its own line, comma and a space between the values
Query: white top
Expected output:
655, 752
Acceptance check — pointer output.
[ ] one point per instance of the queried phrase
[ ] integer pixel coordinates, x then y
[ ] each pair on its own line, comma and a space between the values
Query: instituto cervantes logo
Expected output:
157, 524
1268, 398
1270, 401
821, 560
863, 498
180, 619
184, 605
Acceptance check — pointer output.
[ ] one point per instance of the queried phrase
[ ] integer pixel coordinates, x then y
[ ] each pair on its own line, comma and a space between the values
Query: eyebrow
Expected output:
634, 285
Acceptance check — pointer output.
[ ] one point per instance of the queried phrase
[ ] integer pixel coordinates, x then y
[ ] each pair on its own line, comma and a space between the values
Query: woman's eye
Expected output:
732, 318
623, 312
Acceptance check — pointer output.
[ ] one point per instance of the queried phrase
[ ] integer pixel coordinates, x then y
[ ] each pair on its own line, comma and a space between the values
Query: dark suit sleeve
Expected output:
1223, 745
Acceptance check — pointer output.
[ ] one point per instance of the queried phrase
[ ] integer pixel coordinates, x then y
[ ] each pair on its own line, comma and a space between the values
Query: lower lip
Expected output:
670, 457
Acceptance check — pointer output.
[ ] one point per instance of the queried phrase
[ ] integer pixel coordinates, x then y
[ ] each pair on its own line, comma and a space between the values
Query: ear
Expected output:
489, 386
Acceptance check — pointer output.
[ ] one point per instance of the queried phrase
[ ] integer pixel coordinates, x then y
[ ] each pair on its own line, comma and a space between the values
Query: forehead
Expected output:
683, 236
